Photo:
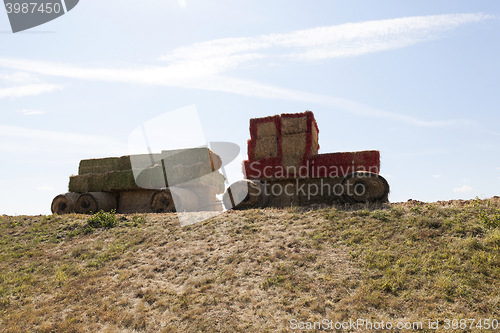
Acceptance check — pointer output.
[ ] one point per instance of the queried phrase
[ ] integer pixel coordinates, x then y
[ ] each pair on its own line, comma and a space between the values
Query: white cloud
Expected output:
26, 140
45, 188
464, 189
437, 176
182, 3
465, 180
19, 77
350, 39
30, 112
200, 65
28, 90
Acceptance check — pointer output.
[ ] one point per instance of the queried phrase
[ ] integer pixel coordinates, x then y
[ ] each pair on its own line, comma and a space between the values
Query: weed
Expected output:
102, 219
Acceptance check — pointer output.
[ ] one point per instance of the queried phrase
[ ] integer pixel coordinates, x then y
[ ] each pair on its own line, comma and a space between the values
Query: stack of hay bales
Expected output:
146, 183
289, 149
299, 139
281, 143
284, 168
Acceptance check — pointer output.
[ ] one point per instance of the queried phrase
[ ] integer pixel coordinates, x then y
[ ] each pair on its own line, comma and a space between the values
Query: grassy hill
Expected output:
252, 271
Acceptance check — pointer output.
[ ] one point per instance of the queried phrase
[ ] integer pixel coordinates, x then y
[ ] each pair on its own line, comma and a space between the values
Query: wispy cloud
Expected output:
19, 77
437, 176
464, 189
28, 90
345, 40
30, 112
201, 65
29, 140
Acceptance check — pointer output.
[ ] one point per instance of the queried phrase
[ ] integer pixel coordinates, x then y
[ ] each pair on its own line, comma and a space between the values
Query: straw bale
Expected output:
362, 187
292, 125
281, 193
207, 198
264, 168
314, 141
93, 202
101, 165
162, 202
64, 203
115, 180
294, 144
245, 194
341, 164
191, 156
265, 147
174, 199
293, 162
298, 123
184, 200
267, 129
214, 179
171, 158
135, 201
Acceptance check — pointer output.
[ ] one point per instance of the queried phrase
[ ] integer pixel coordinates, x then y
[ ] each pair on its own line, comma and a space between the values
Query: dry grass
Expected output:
251, 271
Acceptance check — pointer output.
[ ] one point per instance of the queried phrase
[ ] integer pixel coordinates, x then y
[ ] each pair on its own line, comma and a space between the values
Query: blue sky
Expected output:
417, 80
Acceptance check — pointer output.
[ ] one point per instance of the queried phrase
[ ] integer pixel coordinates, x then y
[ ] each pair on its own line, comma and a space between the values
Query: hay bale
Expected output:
101, 165
190, 156
363, 187
207, 196
174, 199
294, 144
142, 161
162, 202
291, 164
293, 125
263, 147
135, 201
245, 194
94, 202
114, 180
281, 193
265, 127
64, 203
341, 164
149, 178
215, 179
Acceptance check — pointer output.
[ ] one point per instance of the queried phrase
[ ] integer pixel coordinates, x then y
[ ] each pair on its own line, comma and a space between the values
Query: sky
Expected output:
416, 80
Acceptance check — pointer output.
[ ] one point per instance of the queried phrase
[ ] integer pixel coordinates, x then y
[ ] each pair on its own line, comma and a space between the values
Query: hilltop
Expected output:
251, 271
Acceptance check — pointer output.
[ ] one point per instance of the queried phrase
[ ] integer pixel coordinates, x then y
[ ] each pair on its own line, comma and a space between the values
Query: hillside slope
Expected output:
252, 271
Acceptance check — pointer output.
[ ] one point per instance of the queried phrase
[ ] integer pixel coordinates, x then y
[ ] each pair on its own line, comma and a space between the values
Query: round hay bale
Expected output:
135, 201
364, 187
93, 202
162, 202
245, 194
64, 203
185, 200
174, 199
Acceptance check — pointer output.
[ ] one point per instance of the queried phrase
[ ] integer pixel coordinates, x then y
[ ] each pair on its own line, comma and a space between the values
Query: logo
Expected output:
26, 14
171, 155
